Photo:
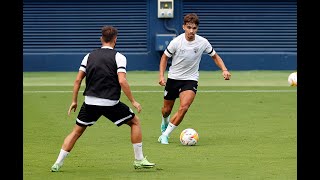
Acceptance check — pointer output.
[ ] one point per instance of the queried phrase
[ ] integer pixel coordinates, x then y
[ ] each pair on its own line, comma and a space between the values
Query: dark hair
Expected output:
109, 33
191, 18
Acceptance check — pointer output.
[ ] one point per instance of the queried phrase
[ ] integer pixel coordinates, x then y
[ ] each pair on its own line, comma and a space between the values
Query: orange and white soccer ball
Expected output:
189, 137
292, 79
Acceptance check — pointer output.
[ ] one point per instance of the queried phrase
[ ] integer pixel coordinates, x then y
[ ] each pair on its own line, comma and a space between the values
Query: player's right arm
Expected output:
127, 91
162, 68
170, 50
121, 61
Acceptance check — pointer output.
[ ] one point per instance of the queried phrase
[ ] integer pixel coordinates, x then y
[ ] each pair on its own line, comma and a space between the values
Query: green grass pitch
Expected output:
247, 128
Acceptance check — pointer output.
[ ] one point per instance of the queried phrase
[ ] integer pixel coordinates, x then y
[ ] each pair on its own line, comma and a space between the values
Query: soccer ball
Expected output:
189, 137
292, 79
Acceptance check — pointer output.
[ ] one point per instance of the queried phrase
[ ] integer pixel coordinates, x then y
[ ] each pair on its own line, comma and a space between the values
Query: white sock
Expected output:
169, 129
63, 154
166, 120
138, 154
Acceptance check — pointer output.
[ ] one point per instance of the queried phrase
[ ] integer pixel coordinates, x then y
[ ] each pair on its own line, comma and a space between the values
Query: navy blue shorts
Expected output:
119, 114
175, 87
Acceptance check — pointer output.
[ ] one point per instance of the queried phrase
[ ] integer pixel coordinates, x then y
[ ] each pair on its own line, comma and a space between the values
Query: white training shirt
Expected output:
186, 56
121, 61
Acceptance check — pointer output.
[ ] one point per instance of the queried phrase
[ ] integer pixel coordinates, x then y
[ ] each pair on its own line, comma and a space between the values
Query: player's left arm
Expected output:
77, 84
219, 62
217, 59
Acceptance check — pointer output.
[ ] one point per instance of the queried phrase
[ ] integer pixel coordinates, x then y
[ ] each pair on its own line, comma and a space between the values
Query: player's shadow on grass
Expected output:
148, 170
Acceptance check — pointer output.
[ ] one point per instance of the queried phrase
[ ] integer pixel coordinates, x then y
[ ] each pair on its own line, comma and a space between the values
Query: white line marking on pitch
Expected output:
204, 91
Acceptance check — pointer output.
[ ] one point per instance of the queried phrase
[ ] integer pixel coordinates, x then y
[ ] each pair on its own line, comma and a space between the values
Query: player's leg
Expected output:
136, 139
136, 133
72, 138
187, 94
166, 111
87, 116
67, 146
121, 114
186, 99
167, 107
171, 92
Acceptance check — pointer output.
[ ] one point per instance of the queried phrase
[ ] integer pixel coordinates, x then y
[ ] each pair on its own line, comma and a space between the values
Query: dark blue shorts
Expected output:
119, 114
175, 87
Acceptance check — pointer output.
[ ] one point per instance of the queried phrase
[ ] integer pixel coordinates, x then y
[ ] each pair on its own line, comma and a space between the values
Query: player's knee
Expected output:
78, 131
166, 111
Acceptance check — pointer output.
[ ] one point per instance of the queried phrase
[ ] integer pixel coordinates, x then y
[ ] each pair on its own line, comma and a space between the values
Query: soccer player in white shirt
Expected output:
182, 82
